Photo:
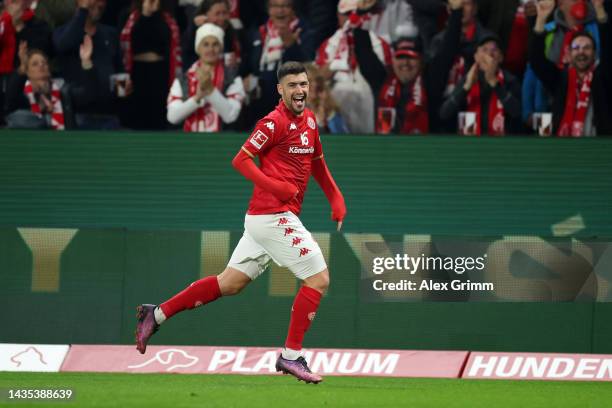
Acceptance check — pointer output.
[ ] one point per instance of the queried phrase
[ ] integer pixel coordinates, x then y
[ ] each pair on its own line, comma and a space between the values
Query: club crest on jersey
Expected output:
311, 123
270, 125
258, 139
292, 127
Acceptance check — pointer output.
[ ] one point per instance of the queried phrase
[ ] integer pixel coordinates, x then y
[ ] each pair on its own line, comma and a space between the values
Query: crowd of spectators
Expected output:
375, 66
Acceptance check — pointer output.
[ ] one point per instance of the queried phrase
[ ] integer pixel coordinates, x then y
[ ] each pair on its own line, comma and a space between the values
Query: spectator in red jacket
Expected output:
402, 101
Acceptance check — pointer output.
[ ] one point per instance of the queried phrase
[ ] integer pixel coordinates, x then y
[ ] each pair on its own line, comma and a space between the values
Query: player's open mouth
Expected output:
299, 101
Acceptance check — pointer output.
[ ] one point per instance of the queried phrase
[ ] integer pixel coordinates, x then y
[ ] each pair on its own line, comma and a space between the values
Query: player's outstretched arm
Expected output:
243, 162
323, 177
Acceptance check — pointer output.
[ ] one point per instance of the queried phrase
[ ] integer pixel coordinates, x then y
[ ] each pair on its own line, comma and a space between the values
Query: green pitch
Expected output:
226, 391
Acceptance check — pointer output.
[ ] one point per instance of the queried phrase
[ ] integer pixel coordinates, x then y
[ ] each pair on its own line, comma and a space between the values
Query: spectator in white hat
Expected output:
208, 96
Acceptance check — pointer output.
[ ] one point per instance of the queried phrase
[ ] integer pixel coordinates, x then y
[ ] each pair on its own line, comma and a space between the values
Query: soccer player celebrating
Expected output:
289, 149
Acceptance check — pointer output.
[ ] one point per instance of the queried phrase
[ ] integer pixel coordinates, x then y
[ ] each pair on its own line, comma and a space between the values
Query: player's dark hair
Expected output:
290, 68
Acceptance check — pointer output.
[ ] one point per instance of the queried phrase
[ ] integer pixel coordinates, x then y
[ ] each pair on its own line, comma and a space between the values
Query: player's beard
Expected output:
296, 106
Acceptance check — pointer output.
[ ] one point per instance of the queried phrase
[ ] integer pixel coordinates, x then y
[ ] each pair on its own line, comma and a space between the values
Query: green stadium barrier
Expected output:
92, 224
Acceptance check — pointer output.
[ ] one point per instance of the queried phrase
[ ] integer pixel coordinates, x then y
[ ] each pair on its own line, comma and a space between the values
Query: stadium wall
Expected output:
92, 224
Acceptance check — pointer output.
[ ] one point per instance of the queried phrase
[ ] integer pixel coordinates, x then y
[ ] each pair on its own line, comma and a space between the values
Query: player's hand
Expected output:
338, 211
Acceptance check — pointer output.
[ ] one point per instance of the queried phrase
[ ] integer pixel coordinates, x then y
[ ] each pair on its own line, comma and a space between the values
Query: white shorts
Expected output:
280, 238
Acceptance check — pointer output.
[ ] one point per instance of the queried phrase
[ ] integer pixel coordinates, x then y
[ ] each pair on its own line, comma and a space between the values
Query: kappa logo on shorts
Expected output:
289, 231
304, 251
283, 221
296, 241
258, 139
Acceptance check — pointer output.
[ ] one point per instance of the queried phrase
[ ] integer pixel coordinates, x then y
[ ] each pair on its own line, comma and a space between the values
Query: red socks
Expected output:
197, 294
303, 312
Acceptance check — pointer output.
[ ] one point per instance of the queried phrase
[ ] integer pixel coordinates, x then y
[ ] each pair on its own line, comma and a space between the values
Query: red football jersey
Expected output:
286, 144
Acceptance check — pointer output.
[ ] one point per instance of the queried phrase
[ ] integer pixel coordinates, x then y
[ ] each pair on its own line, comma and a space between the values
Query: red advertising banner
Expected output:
539, 366
259, 360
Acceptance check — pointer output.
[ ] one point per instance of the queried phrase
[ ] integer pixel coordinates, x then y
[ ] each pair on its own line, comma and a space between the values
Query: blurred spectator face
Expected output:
96, 10
469, 11
281, 11
582, 53
209, 50
406, 68
492, 49
218, 14
38, 67
342, 17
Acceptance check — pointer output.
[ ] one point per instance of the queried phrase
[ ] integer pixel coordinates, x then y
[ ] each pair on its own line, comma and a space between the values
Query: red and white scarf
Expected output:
57, 115
175, 44
416, 118
576, 104
205, 118
496, 120
272, 44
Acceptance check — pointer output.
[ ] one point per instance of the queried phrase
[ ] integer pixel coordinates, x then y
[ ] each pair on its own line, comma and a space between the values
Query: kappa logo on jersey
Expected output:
292, 127
304, 138
258, 139
270, 125
311, 123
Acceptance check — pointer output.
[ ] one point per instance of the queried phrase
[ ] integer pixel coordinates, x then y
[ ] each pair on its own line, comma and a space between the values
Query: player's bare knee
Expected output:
319, 282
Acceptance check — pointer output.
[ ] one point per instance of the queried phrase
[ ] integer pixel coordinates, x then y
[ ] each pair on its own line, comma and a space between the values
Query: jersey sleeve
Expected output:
318, 148
262, 137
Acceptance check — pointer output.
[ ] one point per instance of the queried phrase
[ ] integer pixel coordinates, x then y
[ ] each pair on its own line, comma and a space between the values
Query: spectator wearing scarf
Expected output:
284, 37
36, 100
451, 54
356, 60
404, 90
150, 41
568, 18
208, 95
489, 91
581, 100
